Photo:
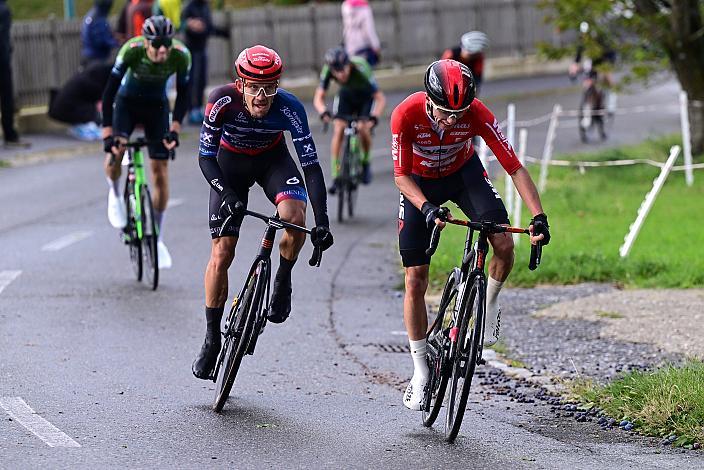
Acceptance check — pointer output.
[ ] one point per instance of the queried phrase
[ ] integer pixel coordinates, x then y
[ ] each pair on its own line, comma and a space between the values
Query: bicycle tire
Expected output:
354, 178
241, 321
150, 237
437, 383
343, 180
134, 244
468, 350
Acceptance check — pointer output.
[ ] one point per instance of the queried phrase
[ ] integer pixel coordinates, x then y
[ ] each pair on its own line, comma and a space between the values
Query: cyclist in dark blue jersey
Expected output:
242, 143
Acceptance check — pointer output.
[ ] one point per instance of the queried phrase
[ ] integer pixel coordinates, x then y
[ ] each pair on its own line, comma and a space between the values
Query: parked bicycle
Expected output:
456, 337
141, 233
350, 175
247, 317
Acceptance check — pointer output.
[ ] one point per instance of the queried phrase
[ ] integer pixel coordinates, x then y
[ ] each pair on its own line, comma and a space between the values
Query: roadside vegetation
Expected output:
666, 403
591, 213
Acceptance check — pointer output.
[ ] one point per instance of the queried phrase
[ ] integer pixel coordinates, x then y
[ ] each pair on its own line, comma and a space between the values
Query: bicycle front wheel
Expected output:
238, 334
150, 237
468, 342
130, 231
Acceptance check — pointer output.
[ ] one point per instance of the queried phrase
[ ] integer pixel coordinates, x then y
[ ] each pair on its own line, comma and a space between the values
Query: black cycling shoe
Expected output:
280, 306
204, 365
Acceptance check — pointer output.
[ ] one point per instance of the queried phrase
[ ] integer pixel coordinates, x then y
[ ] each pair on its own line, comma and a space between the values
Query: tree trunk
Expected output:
690, 78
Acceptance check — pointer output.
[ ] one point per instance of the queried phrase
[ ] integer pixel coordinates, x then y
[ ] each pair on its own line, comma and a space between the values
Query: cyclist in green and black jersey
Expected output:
137, 88
359, 96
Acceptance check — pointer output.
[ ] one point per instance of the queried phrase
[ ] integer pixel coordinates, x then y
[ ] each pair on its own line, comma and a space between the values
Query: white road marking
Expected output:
6, 277
175, 202
43, 429
67, 240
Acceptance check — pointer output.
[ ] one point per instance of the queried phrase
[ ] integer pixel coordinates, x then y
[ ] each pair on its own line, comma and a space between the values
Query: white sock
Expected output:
418, 353
493, 287
114, 185
159, 219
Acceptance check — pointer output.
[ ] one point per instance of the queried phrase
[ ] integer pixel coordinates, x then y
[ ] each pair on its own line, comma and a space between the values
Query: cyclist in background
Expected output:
470, 52
435, 162
359, 96
241, 143
137, 87
591, 67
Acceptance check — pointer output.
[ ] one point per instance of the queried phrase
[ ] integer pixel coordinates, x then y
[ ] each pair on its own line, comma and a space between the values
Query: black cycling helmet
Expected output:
158, 27
337, 58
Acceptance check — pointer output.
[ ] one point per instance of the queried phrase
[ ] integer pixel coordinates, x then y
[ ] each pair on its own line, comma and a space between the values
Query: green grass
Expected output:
664, 402
607, 314
591, 213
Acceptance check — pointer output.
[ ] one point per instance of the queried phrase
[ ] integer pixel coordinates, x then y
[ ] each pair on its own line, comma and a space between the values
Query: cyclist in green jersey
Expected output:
137, 87
359, 96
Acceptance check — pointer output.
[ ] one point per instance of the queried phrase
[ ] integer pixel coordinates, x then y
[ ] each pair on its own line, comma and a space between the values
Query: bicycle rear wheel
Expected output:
130, 231
238, 334
469, 336
437, 353
150, 237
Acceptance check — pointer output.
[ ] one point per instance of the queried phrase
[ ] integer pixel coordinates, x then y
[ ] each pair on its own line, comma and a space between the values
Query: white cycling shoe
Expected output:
413, 398
164, 255
492, 326
117, 212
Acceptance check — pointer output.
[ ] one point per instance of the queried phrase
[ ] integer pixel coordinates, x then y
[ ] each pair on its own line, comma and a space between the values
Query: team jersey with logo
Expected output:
419, 147
142, 78
228, 125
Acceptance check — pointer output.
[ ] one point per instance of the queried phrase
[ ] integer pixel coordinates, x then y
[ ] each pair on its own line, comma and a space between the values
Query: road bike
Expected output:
141, 233
350, 174
247, 317
456, 337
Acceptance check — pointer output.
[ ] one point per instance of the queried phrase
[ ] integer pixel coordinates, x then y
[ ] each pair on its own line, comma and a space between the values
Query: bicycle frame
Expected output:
136, 175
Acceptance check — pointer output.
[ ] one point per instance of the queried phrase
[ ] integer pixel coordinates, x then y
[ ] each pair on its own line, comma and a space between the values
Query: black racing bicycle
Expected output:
455, 338
141, 233
247, 317
350, 175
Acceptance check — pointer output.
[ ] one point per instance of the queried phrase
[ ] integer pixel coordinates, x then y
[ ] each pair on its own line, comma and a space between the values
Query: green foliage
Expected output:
667, 401
591, 213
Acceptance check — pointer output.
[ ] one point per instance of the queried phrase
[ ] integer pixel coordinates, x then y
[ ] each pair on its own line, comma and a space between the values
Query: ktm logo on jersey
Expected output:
423, 135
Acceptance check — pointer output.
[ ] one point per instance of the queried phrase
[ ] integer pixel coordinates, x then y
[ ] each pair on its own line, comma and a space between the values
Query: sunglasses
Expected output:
448, 114
157, 43
253, 89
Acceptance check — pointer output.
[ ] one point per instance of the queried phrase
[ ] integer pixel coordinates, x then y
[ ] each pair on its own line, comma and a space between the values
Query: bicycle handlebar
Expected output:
485, 227
277, 223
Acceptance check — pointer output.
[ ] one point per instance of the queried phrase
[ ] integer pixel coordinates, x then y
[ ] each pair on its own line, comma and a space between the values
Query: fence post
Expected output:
548, 148
510, 135
517, 203
686, 138
648, 202
396, 12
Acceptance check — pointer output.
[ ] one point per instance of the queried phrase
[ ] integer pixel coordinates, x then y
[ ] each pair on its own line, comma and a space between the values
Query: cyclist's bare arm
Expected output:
379, 104
319, 100
412, 192
529, 193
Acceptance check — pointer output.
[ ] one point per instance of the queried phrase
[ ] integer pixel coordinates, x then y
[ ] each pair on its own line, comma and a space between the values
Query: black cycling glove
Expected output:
172, 136
321, 237
231, 205
540, 225
431, 212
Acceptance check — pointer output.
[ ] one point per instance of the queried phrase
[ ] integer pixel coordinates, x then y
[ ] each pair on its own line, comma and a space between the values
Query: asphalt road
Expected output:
107, 362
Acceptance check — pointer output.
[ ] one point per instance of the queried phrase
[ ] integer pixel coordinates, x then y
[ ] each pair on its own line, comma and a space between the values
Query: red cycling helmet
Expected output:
259, 64
450, 85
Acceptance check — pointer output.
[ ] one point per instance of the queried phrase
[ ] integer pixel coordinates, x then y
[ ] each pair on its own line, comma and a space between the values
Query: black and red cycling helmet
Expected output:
450, 85
259, 64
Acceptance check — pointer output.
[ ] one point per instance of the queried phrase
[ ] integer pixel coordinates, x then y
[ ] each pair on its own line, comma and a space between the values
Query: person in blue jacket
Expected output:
97, 40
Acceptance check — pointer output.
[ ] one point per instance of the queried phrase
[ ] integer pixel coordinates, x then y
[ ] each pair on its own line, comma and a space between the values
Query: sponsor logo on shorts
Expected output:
214, 217
217, 107
216, 183
293, 180
493, 189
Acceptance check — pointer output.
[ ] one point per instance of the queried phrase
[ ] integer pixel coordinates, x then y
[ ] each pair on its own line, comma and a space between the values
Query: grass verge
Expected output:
591, 213
664, 402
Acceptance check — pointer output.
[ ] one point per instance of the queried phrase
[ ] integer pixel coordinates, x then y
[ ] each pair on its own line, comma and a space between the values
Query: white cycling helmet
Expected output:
474, 41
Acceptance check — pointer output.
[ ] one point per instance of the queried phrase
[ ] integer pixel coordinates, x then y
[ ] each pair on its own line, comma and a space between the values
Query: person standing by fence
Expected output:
137, 13
198, 26
7, 97
97, 40
358, 32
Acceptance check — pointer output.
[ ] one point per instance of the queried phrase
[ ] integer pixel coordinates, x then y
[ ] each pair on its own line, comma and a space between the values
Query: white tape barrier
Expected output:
648, 202
549, 146
587, 164
575, 113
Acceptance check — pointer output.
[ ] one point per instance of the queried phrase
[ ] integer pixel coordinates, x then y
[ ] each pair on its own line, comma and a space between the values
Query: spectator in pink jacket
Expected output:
358, 32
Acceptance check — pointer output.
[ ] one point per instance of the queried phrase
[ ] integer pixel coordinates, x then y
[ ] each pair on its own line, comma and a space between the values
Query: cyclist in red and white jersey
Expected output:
435, 162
